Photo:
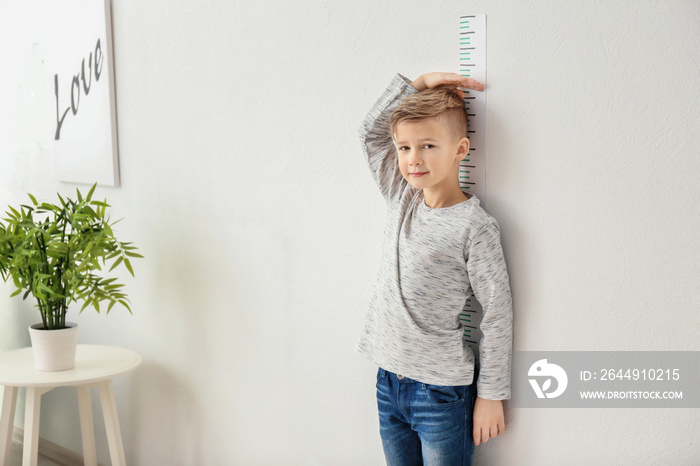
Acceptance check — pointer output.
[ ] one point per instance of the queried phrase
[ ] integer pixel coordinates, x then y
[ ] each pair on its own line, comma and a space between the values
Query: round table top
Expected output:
93, 363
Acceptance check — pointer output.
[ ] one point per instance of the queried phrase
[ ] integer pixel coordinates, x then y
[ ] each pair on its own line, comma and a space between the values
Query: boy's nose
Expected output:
414, 159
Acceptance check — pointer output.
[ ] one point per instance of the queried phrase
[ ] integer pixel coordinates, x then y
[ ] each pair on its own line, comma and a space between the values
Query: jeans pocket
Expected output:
381, 374
446, 395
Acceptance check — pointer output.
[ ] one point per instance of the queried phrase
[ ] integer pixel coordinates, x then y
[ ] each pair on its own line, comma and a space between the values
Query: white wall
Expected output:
243, 185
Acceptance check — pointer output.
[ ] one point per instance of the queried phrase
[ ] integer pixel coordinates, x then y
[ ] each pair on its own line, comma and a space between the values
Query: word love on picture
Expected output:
75, 87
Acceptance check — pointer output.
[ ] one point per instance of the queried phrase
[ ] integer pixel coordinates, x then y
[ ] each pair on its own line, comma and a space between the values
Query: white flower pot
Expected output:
54, 350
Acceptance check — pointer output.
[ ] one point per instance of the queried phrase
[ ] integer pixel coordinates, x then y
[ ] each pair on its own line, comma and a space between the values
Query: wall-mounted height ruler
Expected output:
472, 170
472, 64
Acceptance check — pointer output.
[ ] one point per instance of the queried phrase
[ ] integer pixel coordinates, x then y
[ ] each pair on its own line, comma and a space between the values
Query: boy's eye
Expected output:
403, 148
428, 146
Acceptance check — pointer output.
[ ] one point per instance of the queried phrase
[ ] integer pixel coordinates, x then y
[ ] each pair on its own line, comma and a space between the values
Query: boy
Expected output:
440, 247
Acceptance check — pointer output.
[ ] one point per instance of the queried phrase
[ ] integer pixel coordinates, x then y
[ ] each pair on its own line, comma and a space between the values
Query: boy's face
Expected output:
429, 155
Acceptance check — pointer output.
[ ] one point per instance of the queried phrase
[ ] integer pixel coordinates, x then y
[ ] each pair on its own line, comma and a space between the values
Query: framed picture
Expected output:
80, 66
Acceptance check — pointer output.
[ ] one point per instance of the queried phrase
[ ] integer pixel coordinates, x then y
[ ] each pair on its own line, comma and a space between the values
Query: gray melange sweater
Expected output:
433, 260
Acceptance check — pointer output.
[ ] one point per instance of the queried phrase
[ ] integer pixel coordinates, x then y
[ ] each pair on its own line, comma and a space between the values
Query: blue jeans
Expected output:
423, 424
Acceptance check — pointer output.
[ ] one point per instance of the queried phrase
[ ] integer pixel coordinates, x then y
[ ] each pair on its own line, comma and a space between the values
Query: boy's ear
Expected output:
463, 148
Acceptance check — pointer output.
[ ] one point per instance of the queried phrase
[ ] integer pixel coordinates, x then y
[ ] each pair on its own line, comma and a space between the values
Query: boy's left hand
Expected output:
489, 421
451, 81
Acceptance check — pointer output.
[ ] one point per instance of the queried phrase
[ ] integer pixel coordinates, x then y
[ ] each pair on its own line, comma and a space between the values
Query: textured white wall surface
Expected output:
244, 186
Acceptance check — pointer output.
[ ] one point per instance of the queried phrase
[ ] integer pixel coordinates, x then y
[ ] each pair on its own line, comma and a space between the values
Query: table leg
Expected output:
7, 423
87, 427
32, 411
109, 412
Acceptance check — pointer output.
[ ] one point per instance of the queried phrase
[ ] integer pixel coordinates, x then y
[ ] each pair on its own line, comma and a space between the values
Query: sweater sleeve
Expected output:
489, 281
377, 142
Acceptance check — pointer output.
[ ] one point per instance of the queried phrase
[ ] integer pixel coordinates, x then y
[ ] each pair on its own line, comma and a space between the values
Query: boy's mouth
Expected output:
418, 174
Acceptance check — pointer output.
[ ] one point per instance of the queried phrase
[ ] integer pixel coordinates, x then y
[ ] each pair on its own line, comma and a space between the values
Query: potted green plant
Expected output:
54, 252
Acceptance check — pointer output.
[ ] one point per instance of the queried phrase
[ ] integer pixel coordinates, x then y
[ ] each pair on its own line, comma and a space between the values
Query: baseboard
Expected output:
52, 451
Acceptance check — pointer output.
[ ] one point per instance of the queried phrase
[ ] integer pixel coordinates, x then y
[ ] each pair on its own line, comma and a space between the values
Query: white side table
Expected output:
95, 366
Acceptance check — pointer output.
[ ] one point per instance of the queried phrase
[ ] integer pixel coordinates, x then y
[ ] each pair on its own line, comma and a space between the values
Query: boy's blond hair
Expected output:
440, 103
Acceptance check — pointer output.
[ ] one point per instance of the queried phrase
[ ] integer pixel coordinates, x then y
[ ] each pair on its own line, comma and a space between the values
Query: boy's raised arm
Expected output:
377, 142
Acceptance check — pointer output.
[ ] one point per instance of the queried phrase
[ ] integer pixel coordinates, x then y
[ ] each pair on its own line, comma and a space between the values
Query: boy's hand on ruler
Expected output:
489, 421
452, 81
